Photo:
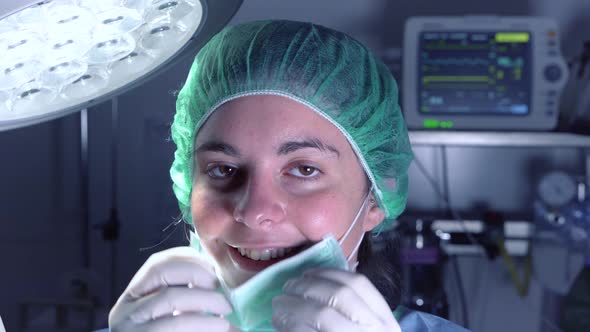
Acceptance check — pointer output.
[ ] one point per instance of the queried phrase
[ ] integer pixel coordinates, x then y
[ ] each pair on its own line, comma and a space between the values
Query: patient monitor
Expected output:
482, 73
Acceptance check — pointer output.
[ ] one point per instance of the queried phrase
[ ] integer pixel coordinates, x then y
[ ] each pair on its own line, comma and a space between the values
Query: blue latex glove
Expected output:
173, 291
332, 300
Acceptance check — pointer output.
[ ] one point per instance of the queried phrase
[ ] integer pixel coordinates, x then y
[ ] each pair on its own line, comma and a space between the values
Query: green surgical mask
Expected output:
252, 301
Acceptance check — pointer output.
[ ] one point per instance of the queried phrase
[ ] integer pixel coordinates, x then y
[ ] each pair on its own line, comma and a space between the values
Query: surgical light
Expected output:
61, 56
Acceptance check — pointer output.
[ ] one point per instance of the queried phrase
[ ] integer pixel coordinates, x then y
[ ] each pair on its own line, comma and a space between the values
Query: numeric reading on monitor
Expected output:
478, 72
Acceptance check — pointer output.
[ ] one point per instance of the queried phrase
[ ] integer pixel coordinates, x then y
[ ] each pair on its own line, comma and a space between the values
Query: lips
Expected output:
257, 259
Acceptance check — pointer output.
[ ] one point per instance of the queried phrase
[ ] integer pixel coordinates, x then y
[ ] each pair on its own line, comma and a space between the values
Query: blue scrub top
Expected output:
415, 321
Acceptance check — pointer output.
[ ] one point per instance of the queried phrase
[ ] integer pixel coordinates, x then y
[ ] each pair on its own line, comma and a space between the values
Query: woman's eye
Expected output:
221, 171
304, 171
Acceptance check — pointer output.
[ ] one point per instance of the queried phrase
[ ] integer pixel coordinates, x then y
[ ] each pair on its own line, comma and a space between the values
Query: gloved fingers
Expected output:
185, 322
332, 294
296, 328
173, 267
360, 285
171, 300
293, 313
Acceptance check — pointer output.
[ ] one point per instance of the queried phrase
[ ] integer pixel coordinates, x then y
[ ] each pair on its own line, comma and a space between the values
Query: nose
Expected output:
260, 205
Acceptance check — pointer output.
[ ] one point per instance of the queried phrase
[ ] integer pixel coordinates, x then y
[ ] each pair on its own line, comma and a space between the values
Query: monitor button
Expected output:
553, 73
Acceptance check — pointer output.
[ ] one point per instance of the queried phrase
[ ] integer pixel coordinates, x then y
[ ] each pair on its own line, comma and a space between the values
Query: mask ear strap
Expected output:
358, 245
358, 214
356, 248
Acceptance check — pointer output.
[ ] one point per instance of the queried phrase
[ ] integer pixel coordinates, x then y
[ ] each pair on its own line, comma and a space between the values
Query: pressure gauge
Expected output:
557, 189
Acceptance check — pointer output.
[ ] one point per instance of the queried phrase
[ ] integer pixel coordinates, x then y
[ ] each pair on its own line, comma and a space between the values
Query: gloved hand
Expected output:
330, 300
173, 291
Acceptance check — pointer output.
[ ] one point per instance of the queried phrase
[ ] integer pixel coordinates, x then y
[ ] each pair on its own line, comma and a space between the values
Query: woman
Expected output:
291, 150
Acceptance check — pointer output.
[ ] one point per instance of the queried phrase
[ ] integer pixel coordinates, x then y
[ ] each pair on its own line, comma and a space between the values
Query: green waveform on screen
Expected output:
474, 79
455, 47
510, 63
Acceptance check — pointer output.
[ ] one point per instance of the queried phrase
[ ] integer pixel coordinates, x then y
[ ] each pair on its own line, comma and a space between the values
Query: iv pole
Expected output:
110, 227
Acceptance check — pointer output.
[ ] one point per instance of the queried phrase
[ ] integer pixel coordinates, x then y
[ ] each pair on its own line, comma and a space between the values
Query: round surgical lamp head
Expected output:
61, 56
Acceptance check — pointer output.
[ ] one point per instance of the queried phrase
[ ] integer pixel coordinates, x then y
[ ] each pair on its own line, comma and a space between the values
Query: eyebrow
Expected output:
217, 146
292, 146
284, 149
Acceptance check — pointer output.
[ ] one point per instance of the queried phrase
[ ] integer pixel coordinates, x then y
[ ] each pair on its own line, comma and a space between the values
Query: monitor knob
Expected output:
553, 73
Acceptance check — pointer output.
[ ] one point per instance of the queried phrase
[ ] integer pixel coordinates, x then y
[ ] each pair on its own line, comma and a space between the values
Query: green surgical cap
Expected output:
328, 71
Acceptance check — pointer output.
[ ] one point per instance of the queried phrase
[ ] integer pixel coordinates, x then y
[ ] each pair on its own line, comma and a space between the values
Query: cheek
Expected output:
209, 213
319, 215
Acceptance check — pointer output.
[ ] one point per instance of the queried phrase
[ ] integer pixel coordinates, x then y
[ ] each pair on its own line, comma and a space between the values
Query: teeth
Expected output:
264, 255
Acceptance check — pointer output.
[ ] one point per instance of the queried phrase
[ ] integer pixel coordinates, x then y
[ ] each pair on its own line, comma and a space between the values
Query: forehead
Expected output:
268, 119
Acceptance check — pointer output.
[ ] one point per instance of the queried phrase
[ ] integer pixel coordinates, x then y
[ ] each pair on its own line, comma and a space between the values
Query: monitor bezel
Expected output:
541, 116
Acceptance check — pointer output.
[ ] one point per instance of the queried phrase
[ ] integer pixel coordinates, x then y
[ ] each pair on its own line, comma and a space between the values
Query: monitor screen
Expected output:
475, 72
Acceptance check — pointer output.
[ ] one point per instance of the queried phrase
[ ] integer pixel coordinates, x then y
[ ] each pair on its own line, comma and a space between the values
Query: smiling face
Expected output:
272, 176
